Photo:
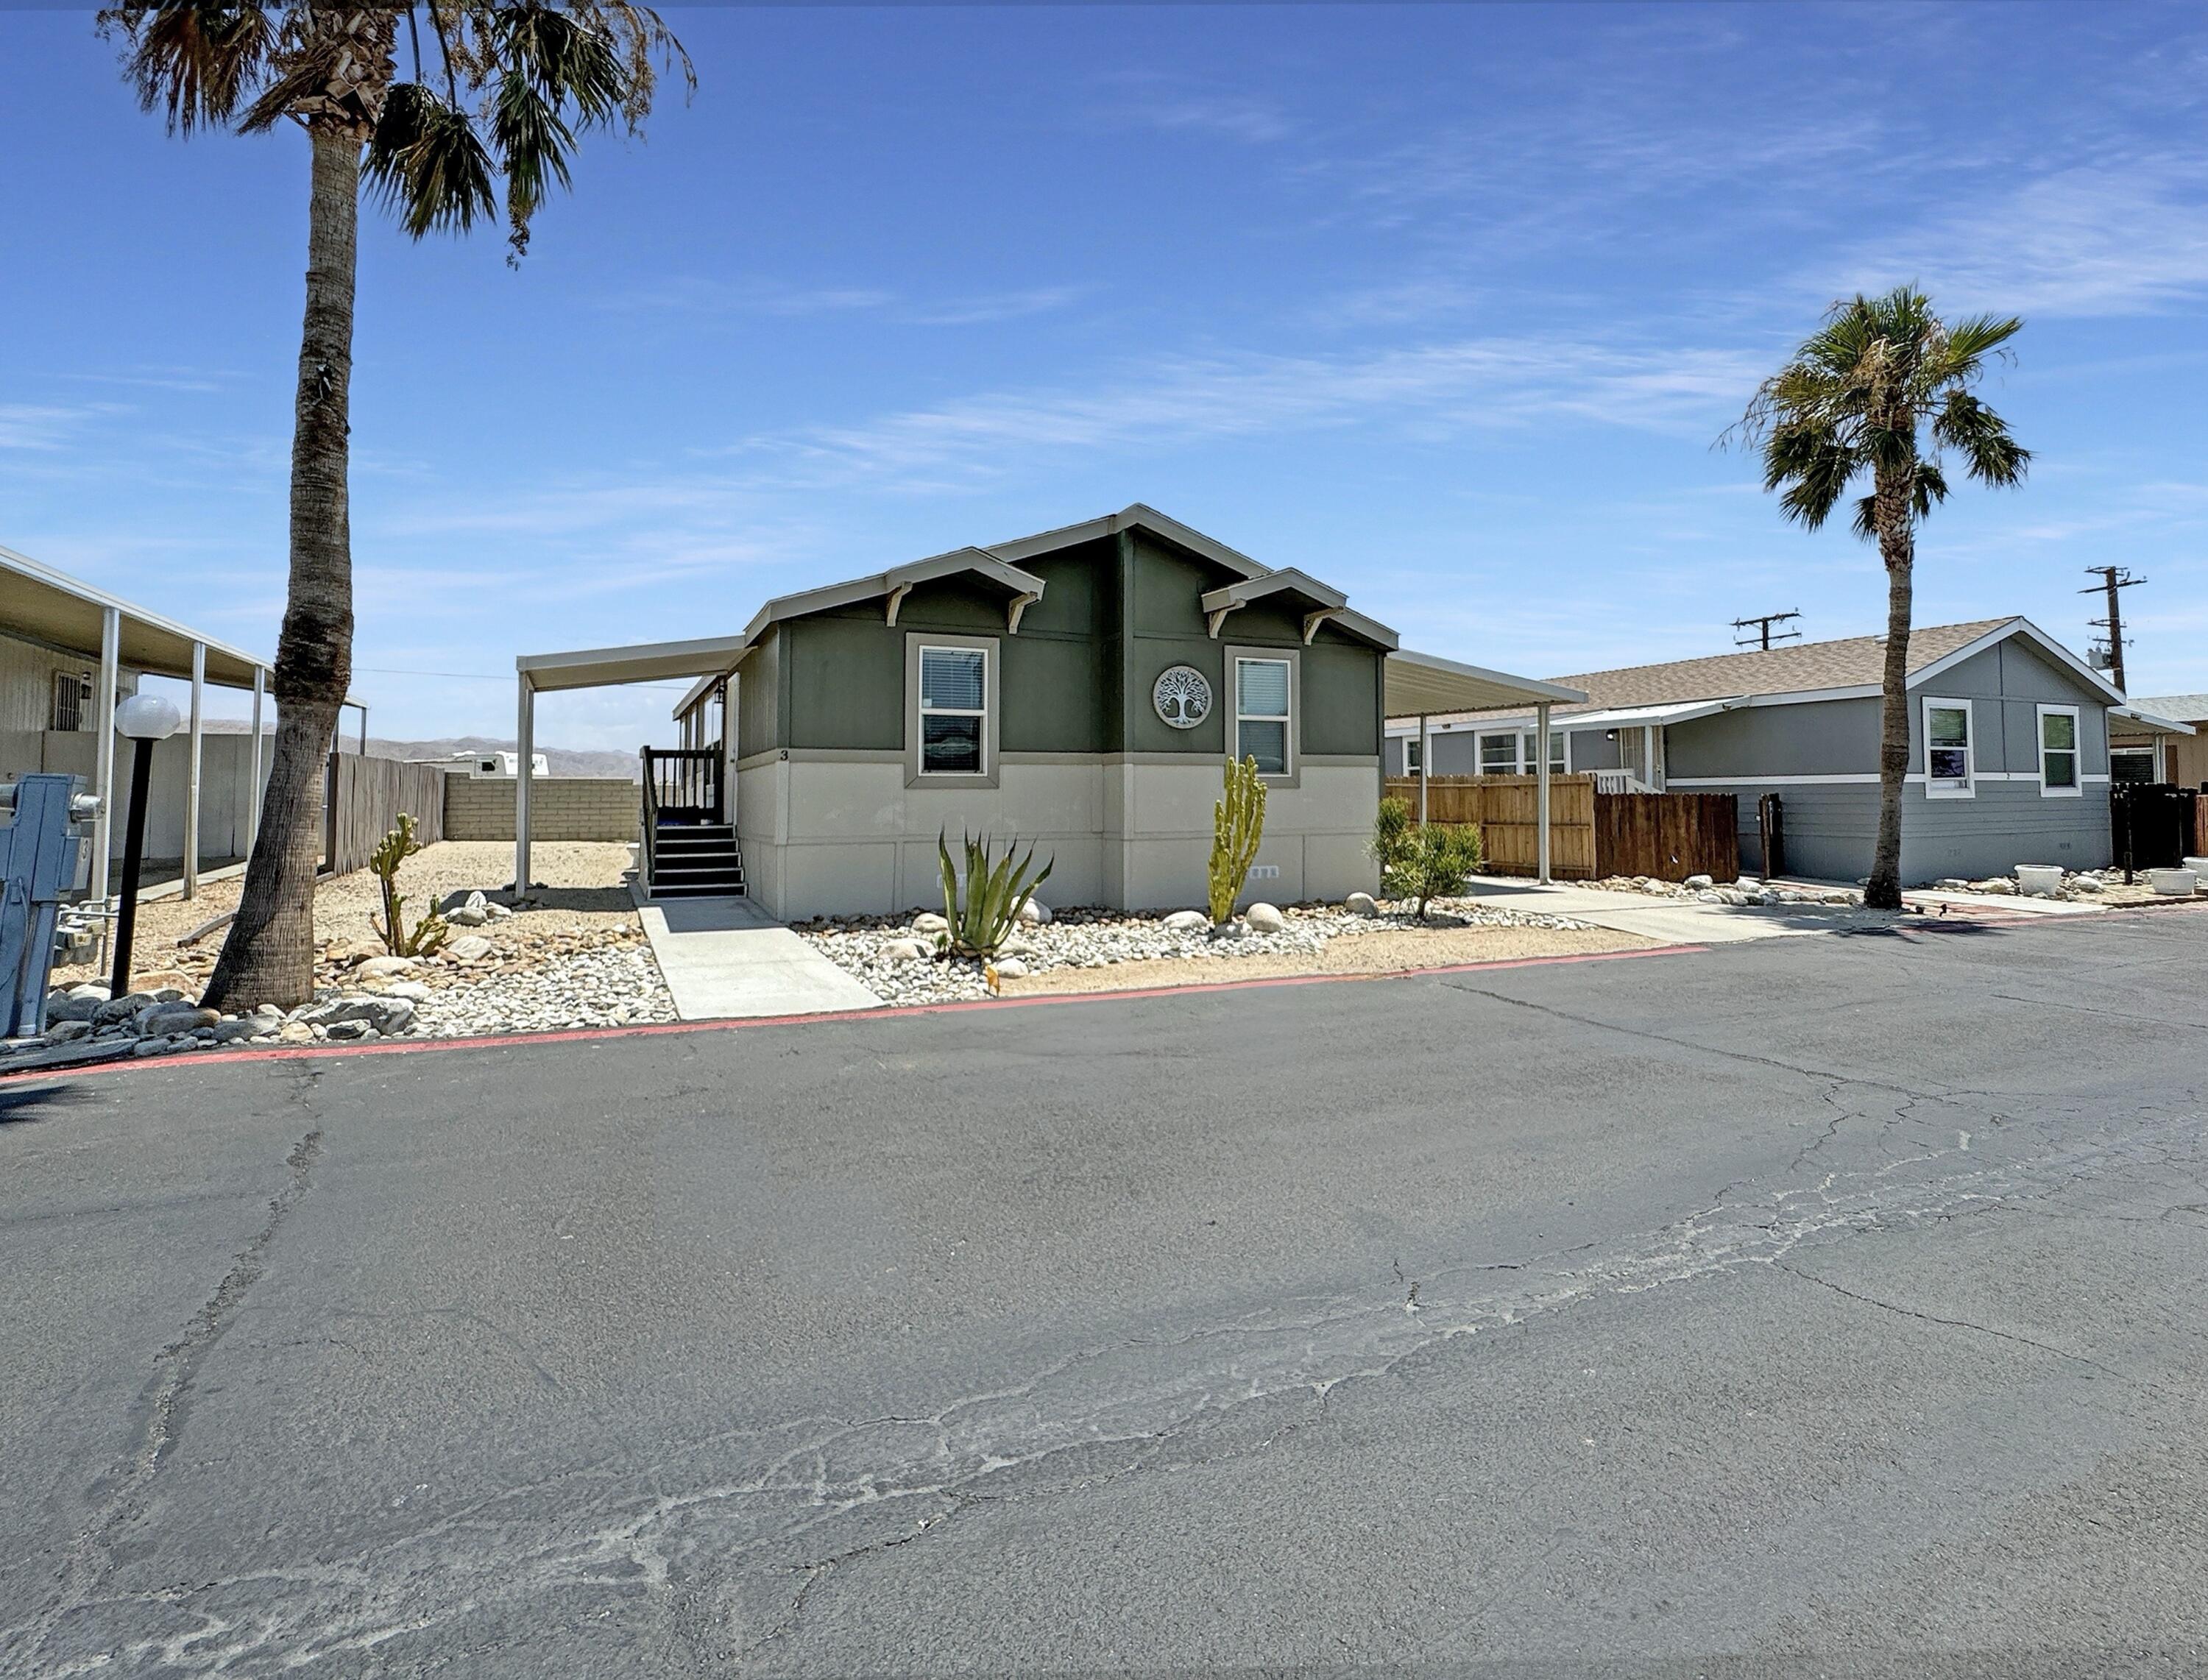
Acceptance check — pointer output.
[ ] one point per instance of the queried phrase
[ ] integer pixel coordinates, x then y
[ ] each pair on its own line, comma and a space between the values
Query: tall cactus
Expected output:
1238, 822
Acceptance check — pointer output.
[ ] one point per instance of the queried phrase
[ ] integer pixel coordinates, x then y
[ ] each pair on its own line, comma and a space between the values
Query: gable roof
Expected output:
1851, 665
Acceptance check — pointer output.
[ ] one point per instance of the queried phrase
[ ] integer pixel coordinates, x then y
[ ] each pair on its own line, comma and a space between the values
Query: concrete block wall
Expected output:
561, 808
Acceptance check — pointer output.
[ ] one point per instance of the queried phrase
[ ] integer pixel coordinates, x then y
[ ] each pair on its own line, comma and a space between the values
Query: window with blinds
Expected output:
954, 710
1261, 713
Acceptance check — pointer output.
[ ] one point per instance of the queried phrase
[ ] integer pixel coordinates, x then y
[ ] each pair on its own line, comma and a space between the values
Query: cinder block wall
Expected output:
561, 808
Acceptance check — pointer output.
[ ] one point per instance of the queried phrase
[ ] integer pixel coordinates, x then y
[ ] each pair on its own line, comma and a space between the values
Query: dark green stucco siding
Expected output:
1077, 679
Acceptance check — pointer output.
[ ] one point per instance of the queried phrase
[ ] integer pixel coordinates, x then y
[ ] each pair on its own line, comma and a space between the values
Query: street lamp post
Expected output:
145, 719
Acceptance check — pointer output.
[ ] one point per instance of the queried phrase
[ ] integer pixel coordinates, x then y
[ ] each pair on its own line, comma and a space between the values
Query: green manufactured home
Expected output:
1078, 688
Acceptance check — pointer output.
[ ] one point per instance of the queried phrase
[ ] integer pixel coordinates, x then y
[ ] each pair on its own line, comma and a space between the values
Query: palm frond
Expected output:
194, 61
426, 163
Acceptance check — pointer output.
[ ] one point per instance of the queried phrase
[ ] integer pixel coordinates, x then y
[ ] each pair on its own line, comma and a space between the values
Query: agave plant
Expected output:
995, 891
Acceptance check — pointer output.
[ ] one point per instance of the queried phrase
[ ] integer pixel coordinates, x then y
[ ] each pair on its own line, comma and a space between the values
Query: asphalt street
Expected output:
1816, 1306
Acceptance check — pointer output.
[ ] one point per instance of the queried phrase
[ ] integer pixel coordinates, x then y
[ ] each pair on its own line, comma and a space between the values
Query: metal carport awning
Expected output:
597, 667
1420, 684
49, 607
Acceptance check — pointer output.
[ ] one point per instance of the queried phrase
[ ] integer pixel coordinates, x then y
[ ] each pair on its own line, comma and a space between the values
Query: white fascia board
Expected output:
1858, 690
2156, 725
2046, 643
642, 661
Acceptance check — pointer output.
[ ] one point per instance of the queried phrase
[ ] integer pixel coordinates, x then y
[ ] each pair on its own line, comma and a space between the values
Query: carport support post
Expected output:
1425, 765
1541, 785
102, 829
524, 732
192, 773
253, 794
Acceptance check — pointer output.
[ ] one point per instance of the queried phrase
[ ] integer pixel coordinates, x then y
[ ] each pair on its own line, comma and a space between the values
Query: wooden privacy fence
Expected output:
1590, 834
1507, 809
1668, 836
362, 799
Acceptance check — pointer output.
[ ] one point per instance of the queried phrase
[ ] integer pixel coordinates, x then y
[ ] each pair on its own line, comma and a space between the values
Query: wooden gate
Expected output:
362, 799
1668, 836
1507, 809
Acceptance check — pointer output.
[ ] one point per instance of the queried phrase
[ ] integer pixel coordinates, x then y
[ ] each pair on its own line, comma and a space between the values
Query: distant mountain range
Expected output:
559, 759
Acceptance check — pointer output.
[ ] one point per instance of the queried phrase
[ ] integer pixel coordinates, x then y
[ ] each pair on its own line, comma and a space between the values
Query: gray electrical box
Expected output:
42, 848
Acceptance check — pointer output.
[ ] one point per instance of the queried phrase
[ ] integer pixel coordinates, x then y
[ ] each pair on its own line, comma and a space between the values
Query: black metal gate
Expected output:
2150, 824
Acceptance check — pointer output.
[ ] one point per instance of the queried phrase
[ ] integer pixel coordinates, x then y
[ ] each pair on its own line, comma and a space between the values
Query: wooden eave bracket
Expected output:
1312, 621
897, 592
1217, 616
1019, 606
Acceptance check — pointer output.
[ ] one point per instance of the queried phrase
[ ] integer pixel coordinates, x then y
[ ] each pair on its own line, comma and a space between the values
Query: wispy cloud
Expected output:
1234, 115
43, 426
1428, 391
777, 299
2128, 236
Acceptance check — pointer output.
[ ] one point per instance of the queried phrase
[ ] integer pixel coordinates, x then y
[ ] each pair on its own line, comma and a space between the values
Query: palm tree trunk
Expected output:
269, 957
1897, 547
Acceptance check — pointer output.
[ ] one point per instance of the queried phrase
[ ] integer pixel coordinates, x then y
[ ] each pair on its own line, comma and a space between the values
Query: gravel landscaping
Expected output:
885, 954
571, 954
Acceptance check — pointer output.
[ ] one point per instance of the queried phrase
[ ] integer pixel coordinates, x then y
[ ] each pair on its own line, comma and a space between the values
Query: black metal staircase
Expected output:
690, 849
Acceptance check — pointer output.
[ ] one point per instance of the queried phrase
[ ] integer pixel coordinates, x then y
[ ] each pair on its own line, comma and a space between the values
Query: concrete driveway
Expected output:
1809, 1306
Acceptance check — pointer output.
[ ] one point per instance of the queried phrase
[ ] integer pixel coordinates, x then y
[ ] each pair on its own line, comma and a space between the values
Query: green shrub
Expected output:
427, 935
1238, 823
983, 909
1394, 834
1438, 857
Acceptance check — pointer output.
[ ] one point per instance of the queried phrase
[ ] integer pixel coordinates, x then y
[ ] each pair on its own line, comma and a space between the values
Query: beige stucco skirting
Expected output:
840, 833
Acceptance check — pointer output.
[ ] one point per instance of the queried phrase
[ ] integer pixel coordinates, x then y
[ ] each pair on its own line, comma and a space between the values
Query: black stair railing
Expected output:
685, 783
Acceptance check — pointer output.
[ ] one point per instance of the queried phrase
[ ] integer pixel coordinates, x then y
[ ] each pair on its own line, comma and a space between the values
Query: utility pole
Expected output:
2113, 579
1759, 630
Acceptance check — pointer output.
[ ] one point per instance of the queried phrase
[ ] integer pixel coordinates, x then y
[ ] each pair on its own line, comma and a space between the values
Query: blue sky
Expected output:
1445, 304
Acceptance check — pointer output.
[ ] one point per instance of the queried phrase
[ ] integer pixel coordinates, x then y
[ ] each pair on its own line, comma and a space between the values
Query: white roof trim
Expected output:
644, 662
1409, 679
38, 571
1620, 717
2020, 627
2155, 724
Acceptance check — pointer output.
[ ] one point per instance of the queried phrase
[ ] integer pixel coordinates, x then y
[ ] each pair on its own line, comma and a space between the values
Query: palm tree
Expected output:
515, 85
1862, 399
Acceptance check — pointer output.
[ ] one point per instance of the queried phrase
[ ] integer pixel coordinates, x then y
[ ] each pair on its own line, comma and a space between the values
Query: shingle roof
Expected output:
2184, 708
1846, 663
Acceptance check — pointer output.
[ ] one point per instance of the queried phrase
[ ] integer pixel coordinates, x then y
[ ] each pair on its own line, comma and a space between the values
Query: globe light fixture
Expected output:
144, 719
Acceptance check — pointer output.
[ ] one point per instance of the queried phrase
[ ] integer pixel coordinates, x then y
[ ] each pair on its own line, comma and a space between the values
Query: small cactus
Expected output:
1238, 823
427, 935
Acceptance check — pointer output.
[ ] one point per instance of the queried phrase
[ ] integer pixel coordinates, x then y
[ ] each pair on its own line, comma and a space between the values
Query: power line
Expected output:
1761, 633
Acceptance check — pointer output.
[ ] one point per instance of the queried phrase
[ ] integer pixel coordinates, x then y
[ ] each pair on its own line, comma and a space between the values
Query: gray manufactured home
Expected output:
1079, 689
2008, 747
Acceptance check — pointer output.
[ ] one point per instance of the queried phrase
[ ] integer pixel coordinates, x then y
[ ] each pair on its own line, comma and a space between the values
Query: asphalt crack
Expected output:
164, 1401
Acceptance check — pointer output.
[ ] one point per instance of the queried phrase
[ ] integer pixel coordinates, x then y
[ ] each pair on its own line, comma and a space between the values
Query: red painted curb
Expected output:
411, 1046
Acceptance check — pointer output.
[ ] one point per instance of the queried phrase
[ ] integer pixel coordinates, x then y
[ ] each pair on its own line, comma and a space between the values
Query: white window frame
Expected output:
1516, 737
919, 646
1236, 658
1410, 755
1969, 788
2077, 787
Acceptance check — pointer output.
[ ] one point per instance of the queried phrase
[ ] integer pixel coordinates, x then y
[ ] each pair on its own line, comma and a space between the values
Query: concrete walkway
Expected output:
1680, 921
726, 957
